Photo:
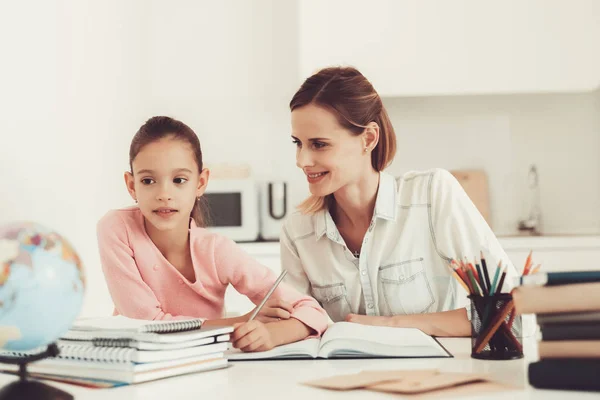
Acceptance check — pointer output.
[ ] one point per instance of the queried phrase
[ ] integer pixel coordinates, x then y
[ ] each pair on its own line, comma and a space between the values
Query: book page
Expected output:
307, 348
346, 339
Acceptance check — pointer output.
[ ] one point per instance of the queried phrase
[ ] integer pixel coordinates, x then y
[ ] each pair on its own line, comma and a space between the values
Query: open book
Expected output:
349, 340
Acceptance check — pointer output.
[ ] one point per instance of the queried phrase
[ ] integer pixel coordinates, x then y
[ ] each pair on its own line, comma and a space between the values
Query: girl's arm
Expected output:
445, 323
254, 280
132, 297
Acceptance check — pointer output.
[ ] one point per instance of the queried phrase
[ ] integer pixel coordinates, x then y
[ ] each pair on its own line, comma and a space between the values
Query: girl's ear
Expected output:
202, 182
371, 136
129, 182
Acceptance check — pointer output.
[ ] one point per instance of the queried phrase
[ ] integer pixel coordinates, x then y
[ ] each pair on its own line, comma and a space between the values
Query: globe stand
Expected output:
28, 389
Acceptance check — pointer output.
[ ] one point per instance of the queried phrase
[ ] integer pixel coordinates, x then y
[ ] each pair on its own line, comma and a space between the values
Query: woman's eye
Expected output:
319, 145
179, 180
296, 142
148, 181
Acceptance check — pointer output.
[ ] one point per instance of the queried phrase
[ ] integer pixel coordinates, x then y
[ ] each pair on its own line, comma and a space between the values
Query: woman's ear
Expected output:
202, 182
371, 136
130, 183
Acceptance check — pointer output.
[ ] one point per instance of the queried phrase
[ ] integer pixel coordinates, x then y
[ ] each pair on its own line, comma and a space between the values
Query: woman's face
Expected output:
330, 155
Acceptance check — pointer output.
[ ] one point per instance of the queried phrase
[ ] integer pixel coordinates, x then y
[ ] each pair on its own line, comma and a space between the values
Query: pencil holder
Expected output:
495, 328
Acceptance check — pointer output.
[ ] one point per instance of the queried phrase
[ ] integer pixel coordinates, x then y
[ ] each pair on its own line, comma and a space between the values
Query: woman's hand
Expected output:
370, 320
274, 310
252, 336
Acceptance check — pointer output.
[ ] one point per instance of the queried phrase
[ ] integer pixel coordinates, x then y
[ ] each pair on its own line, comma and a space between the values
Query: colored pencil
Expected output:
485, 272
501, 283
496, 277
481, 282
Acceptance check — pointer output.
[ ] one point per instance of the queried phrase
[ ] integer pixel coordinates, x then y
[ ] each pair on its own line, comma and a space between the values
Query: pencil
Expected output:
269, 293
485, 272
496, 275
473, 282
501, 283
527, 263
459, 279
536, 269
481, 281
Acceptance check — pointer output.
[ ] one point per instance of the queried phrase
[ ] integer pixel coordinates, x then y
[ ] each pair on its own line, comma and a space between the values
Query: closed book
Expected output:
565, 374
560, 278
571, 331
568, 317
125, 373
556, 299
569, 349
168, 336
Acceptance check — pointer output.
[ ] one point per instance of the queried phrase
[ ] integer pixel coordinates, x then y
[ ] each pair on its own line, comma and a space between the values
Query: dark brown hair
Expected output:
157, 128
352, 99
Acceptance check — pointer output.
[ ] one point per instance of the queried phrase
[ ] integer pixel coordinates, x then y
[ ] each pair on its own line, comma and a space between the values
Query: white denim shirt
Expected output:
421, 221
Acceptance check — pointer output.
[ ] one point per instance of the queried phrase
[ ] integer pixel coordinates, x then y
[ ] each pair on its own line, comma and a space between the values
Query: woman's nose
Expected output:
303, 159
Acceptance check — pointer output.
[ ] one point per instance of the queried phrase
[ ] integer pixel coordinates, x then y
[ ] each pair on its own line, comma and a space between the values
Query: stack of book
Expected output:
567, 307
116, 351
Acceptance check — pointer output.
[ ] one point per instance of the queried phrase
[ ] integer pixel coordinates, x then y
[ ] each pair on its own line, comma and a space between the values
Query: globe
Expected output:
41, 286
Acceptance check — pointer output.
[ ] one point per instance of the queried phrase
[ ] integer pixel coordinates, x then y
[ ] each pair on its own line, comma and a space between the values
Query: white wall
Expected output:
70, 100
559, 133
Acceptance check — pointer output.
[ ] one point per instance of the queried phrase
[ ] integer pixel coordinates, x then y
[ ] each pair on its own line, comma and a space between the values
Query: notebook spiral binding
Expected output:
113, 354
120, 342
175, 326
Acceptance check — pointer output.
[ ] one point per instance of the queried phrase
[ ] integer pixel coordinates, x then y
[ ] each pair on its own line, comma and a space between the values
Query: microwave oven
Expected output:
233, 209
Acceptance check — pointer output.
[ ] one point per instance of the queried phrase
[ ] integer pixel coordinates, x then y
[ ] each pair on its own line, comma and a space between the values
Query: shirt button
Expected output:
363, 272
181, 281
156, 267
370, 305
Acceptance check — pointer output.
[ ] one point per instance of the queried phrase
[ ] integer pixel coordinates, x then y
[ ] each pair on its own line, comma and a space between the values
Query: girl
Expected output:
161, 264
372, 248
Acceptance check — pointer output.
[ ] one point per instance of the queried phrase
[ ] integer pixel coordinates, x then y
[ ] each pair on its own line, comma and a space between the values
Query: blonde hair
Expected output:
352, 99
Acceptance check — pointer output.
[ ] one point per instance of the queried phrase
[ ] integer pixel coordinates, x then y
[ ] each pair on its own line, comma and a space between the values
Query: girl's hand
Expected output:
252, 336
274, 310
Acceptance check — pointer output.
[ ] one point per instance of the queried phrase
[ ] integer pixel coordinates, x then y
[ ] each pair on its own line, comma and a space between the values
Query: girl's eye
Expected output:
179, 180
319, 145
297, 142
148, 181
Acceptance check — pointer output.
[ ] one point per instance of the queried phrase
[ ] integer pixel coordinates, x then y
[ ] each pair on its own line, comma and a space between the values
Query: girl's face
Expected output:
330, 155
166, 183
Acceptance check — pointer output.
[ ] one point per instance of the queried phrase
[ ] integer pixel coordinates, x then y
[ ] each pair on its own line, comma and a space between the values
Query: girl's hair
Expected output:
157, 128
346, 93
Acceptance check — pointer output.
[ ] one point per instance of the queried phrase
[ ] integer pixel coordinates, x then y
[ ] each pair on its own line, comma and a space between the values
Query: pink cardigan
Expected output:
144, 285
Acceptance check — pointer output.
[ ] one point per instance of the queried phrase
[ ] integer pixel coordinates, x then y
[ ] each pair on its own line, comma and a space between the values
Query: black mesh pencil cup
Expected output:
495, 328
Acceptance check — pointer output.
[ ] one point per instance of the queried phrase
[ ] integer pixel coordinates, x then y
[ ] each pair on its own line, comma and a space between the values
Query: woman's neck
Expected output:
171, 242
355, 203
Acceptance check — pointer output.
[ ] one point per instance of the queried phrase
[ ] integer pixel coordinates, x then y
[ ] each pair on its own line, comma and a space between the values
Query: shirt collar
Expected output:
385, 208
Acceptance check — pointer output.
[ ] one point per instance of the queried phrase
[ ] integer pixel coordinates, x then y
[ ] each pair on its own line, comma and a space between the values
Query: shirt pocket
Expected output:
405, 287
333, 299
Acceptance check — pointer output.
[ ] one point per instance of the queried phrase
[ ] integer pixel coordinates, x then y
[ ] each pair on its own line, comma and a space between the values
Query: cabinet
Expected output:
412, 47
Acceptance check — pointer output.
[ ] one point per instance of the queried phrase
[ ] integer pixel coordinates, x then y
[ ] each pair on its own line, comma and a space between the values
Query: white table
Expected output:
280, 379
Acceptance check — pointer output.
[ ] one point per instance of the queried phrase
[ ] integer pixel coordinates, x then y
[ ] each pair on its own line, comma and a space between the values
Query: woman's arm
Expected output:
446, 323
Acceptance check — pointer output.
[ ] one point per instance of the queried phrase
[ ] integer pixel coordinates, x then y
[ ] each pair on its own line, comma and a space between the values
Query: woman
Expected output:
370, 247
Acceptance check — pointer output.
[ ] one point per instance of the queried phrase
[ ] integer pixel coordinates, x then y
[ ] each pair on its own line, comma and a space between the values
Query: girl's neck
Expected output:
355, 203
174, 241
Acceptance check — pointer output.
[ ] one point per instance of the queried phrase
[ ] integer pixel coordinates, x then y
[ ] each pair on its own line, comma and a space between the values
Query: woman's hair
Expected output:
157, 128
346, 93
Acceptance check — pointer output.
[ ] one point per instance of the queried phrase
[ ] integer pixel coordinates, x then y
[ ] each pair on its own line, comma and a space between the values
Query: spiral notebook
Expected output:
124, 324
119, 327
